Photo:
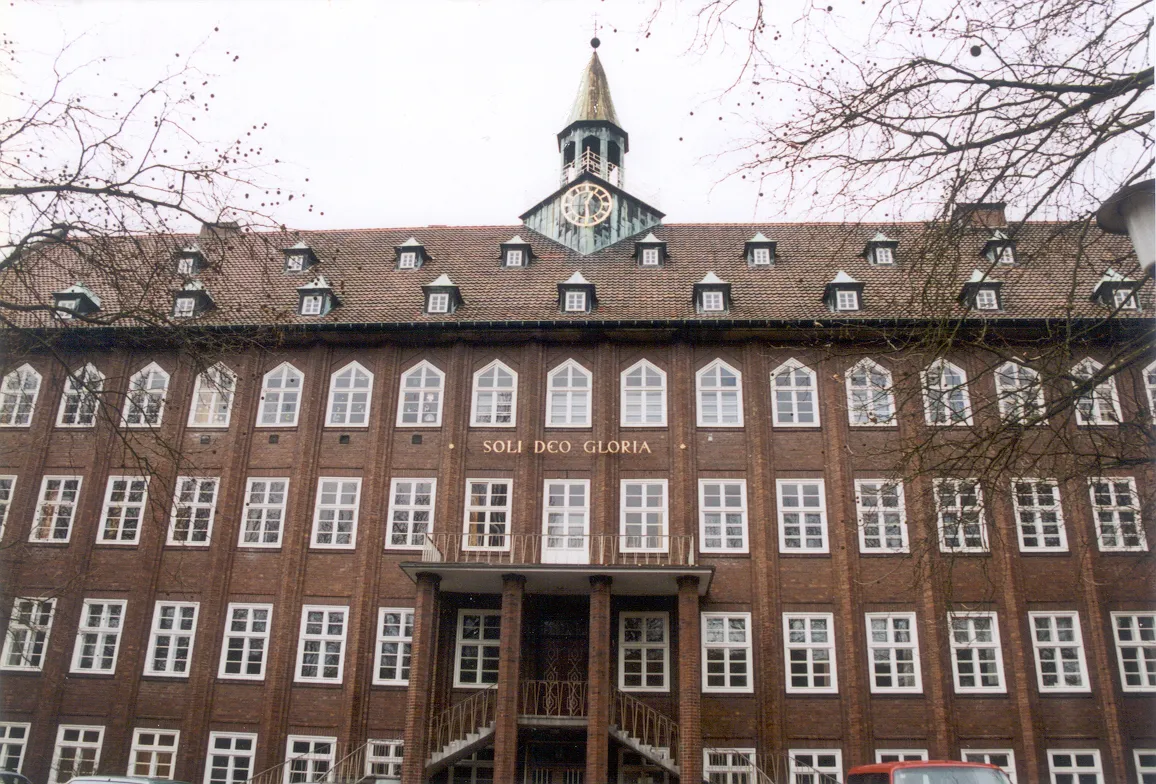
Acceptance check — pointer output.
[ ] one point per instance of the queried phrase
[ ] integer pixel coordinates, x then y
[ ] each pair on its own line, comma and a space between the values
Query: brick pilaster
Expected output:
509, 667
689, 686
598, 688
419, 696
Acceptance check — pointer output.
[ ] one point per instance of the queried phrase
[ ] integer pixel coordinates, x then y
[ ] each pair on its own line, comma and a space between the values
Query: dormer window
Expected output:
442, 295
576, 295
880, 250
191, 300
1125, 299
979, 293
649, 257
75, 300
1117, 291
67, 307
843, 294
986, 298
575, 301
846, 300
999, 249
650, 251
516, 252
185, 307
514, 257
712, 294
407, 260
411, 254
316, 297
190, 260
439, 303
311, 304
760, 251
299, 258
712, 301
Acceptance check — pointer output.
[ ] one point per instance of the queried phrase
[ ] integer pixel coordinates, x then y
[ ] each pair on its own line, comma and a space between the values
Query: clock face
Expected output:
586, 204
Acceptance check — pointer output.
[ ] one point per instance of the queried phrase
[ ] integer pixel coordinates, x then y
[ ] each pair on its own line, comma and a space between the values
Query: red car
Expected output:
930, 772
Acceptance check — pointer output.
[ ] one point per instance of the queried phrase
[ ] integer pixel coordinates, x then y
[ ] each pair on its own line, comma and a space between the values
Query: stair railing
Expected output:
644, 723
462, 718
758, 775
276, 773
350, 768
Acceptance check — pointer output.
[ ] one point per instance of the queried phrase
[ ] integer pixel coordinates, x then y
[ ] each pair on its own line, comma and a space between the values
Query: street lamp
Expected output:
1132, 211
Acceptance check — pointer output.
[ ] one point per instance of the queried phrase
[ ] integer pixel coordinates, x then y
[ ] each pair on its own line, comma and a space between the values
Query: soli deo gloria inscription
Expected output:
566, 447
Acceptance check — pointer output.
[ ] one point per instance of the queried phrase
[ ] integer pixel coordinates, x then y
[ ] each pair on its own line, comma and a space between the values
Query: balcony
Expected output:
594, 163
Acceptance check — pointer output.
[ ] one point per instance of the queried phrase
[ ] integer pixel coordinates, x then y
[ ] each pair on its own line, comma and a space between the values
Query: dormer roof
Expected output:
577, 280
82, 290
317, 283
710, 278
442, 280
843, 277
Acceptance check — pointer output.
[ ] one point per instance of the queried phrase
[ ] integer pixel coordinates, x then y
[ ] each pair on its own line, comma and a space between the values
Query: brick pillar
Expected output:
598, 688
419, 696
509, 667
689, 682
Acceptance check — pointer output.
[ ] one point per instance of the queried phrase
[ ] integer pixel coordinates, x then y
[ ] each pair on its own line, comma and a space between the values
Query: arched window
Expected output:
281, 397
643, 399
794, 395
568, 154
495, 398
592, 144
1150, 385
870, 401
145, 403
81, 397
1020, 394
350, 390
213, 397
613, 154
568, 400
720, 395
18, 393
945, 398
420, 403
1098, 404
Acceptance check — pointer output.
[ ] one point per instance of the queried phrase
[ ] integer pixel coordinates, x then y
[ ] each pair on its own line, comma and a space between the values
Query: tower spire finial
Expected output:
594, 42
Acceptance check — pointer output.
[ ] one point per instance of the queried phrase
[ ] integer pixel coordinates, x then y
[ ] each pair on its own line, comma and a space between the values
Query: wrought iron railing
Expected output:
462, 718
600, 549
348, 766
554, 699
643, 723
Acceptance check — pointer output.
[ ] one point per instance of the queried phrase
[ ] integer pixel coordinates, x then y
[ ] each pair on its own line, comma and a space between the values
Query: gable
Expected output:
628, 216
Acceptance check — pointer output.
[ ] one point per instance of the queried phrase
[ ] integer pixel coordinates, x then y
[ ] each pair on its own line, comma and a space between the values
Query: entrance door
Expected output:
566, 522
562, 648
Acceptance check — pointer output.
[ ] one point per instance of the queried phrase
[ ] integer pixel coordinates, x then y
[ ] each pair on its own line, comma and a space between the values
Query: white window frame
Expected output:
575, 301
713, 301
986, 298
13, 744
729, 766
17, 400
872, 511
304, 762
212, 403
439, 302
351, 396
560, 542
326, 640
27, 640
1041, 647
959, 509
800, 771
728, 635
159, 629
419, 396
1150, 387
1020, 394
882, 255
154, 763
785, 398
642, 646
986, 756
1125, 299
481, 534
577, 401
809, 646
1099, 405
1135, 636
945, 404
644, 394
311, 304
901, 755
49, 507
285, 398
846, 299
884, 645
761, 257
233, 773
515, 257
714, 509
408, 510
144, 402
635, 536
184, 307
650, 257
489, 396
125, 500
249, 624
7, 489
966, 621
481, 642
383, 759
720, 392
262, 517
1115, 515
80, 744
343, 512
395, 640
796, 515
1145, 761
407, 259
1030, 513
1072, 773
866, 401
85, 386
100, 626
193, 535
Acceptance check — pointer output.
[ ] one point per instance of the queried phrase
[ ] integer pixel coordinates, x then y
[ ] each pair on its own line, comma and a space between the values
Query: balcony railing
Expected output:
598, 550
591, 161
553, 699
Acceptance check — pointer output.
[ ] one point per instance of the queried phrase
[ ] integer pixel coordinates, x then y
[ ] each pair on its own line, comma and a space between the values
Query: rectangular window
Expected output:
882, 516
650, 257
383, 759
893, 653
802, 516
883, 255
394, 642
407, 259
310, 757
722, 515
1116, 510
1136, 649
264, 513
476, 648
13, 741
1004, 759
986, 299
712, 301
643, 651
1039, 518
729, 766
810, 644
231, 757
760, 256
171, 642
335, 516
7, 484
566, 521
321, 650
846, 300
411, 511
77, 752
311, 304
1145, 765
514, 257
815, 766
246, 641
194, 508
959, 505
1059, 651
900, 755
439, 302
488, 514
27, 636
1125, 299
98, 639
153, 753
976, 659
55, 509
1075, 766
726, 652
184, 307
643, 515
575, 301
124, 505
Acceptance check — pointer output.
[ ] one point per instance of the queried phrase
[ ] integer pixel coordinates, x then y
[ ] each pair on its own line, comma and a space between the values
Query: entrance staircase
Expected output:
461, 729
349, 768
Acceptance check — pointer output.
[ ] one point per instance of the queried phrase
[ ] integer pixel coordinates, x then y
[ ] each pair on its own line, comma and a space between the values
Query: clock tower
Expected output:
592, 210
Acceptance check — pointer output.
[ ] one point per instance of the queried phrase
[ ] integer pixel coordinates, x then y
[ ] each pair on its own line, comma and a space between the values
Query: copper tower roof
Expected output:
593, 102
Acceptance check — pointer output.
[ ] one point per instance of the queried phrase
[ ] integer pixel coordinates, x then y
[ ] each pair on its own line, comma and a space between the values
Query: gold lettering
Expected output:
539, 447
487, 446
628, 447
564, 447
588, 447
645, 448
551, 446
614, 447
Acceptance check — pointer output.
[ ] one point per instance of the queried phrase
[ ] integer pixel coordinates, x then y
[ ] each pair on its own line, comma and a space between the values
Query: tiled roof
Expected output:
1055, 275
